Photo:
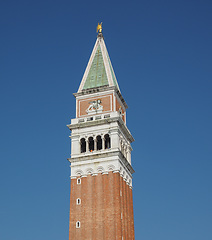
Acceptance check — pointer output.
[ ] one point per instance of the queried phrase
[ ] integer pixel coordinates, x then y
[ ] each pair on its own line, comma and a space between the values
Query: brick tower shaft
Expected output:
106, 209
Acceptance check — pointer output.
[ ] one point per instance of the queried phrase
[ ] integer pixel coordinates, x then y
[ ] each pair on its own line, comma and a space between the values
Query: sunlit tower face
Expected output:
101, 205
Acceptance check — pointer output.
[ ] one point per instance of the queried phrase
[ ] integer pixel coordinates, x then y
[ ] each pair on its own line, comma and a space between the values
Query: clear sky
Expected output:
161, 52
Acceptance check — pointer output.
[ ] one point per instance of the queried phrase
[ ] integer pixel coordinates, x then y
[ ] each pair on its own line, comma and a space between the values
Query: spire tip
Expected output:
99, 28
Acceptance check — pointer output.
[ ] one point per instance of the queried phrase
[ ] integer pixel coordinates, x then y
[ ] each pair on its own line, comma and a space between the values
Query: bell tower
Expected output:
101, 204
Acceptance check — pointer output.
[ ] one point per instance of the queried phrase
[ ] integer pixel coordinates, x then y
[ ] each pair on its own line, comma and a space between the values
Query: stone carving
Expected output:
89, 170
111, 167
100, 169
79, 172
95, 107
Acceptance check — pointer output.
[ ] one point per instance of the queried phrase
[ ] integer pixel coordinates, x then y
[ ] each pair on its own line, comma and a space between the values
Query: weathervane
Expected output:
99, 28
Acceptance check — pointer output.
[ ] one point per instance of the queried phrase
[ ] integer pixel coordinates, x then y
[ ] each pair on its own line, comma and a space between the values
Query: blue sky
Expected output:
161, 53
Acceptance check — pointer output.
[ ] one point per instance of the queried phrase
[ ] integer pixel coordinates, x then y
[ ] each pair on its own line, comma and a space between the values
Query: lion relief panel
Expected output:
95, 105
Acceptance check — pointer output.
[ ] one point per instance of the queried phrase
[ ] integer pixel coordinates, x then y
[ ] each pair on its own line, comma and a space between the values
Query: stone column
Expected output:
114, 139
87, 145
129, 155
95, 143
75, 145
103, 142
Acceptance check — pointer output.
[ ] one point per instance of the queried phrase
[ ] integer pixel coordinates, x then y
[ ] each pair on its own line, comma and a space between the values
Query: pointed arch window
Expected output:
99, 142
107, 141
91, 144
83, 145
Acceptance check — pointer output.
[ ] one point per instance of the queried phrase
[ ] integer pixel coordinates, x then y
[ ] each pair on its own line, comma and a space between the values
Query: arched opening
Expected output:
78, 180
91, 144
78, 224
107, 141
83, 145
78, 201
99, 142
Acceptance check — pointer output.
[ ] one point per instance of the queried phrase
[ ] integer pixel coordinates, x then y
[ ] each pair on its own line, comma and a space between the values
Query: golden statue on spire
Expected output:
99, 28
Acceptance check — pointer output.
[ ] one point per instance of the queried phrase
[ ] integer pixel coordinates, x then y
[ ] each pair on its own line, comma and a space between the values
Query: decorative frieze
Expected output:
102, 167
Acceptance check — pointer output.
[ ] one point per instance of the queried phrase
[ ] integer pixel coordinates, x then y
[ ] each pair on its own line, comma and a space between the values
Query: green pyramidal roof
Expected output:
112, 72
99, 71
97, 75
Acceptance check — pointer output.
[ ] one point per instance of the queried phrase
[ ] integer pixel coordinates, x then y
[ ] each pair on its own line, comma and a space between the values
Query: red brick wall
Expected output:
118, 105
106, 102
103, 198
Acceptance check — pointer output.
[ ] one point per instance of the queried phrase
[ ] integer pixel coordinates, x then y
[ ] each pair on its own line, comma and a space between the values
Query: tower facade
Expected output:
101, 204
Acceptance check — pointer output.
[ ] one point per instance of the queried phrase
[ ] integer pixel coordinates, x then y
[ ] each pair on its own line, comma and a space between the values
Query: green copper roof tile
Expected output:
112, 72
97, 75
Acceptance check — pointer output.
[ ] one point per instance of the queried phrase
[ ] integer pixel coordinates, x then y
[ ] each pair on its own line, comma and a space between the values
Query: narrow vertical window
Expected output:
78, 224
83, 145
78, 180
99, 142
78, 201
91, 144
107, 141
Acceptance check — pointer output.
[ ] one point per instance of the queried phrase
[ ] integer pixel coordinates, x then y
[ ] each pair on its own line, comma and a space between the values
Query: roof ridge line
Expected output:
88, 66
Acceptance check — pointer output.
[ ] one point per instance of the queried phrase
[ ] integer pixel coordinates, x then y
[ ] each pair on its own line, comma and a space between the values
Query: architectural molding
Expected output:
114, 117
101, 157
